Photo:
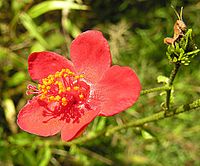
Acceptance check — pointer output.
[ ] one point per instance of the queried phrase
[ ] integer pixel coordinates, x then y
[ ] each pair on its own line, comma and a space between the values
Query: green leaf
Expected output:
16, 6
162, 79
28, 157
22, 139
71, 28
8, 55
16, 79
45, 154
146, 135
47, 6
10, 114
55, 40
37, 47
101, 124
32, 29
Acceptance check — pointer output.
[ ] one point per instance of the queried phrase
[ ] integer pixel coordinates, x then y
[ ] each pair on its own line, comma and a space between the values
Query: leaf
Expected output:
162, 79
7, 55
45, 155
146, 135
16, 79
37, 47
71, 28
57, 39
47, 6
28, 157
101, 124
10, 114
32, 29
18, 5
22, 139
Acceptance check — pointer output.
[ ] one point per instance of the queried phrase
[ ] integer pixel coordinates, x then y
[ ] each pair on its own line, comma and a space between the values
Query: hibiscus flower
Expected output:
70, 94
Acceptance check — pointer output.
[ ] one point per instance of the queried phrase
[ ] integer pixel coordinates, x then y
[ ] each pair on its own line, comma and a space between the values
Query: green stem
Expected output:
140, 122
171, 80
143, 92
157, 116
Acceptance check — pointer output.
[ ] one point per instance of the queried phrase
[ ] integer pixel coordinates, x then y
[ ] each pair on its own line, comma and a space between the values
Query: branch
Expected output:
144, 92
157, 116
171, 80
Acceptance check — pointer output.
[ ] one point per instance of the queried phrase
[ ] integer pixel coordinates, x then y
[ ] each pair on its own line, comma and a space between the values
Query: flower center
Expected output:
64, 87
69, 92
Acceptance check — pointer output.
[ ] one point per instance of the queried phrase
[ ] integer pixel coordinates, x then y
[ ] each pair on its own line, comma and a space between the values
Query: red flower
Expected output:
71, 94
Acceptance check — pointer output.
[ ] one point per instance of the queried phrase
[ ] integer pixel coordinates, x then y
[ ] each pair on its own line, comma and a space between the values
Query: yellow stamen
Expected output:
76, 77
55, 86
81, 76
76, 88
42, 97
63, 70
81, 96
51, 98
48, 87
57, 98
43, 86
64, 101
68, 88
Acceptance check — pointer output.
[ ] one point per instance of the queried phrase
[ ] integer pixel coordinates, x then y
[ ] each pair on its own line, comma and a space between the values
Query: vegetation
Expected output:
135, 31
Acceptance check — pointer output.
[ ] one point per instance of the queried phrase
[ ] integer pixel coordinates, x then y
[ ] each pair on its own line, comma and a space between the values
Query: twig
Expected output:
156, 116
171, 80
144, 92
140, 122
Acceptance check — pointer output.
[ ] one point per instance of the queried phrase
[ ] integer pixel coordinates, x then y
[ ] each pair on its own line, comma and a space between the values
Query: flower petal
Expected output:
90, 55
73, 130
41, 64
36, 117
117, 90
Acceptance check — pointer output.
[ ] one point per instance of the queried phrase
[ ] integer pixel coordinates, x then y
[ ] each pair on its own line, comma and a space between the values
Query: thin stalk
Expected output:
156, 117
171, 80
144, 92
140, 122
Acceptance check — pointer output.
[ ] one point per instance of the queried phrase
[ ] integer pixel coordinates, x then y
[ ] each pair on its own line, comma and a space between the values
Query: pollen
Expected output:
63, 87
42, 97
68, 88
81, 96
76, 77
64, 101
51, 98
81, 76
48, 87
76, 88
57, 98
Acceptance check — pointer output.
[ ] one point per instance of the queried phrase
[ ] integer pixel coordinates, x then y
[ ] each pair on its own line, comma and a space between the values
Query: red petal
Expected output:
73, 130
117, 90
90, 55
41, 64
37, 118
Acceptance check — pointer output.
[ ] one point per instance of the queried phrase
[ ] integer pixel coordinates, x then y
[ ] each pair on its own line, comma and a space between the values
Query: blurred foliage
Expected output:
135, 30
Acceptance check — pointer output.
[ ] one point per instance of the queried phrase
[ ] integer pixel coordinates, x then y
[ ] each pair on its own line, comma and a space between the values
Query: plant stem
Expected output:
157, 116
143, 92
140, 122
171, 80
